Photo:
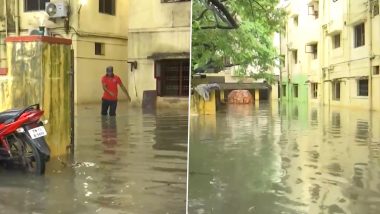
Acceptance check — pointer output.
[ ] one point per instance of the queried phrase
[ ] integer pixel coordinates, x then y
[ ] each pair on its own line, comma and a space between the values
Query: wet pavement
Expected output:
135, 163
292, 159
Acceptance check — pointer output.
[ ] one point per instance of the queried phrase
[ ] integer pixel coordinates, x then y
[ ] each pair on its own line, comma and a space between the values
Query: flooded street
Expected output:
291, 159
134, 163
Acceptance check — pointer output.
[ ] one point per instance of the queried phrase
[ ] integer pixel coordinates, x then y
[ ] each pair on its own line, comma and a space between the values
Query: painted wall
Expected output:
90, 67
37, 77
154, 27
303, 88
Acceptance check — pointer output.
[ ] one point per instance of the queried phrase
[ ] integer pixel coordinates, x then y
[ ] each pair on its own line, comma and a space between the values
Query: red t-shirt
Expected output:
111, 84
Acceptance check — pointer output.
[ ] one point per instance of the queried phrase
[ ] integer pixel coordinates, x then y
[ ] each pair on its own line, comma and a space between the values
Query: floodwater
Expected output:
285, 159
135, 163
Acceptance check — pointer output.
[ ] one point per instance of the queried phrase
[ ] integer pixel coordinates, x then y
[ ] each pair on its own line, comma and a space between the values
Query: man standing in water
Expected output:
109, 99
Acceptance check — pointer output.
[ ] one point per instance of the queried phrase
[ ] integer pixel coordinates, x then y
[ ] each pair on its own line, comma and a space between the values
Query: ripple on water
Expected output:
323, 160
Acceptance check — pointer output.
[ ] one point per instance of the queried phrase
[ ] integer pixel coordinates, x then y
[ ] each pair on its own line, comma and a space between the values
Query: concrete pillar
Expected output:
39, 72
222, 97
200, 106
257, 95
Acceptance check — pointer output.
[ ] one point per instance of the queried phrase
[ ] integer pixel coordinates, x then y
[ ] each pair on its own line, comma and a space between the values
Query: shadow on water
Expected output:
288, 158
132, 163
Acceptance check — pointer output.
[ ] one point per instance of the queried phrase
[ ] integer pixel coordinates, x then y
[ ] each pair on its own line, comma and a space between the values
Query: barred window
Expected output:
363, 87
336, 90
34, 5
359, 35
314, 90
295, 90
107, 7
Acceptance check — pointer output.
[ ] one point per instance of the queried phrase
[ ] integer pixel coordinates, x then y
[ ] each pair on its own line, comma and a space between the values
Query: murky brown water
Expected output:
295, 159
135, 163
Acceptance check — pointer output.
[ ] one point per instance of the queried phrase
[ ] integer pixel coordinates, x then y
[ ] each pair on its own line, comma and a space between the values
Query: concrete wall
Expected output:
154, 27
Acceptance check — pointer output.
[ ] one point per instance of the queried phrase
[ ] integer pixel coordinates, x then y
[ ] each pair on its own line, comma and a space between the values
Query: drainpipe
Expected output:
6, 17
17, 18
349, 35
323, 65
280, 83
370, 54
287, 65
2, 42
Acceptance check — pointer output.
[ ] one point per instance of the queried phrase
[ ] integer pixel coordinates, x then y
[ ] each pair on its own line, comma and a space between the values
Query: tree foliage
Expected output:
250, 43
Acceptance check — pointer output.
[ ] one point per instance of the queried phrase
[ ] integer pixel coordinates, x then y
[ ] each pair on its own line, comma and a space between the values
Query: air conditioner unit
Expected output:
56, 9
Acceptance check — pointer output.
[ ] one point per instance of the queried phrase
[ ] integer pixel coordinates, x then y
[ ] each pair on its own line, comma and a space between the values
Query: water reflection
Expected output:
109, 134
134, 163
298, 159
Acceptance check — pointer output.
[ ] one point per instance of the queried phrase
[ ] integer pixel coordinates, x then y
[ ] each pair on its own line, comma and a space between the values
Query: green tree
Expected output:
245, 40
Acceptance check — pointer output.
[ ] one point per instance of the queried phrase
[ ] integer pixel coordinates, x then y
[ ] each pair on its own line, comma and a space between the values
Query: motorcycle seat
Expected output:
9, 114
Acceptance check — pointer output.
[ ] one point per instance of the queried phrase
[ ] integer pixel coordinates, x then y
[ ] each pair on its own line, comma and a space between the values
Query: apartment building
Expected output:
332, 53
159, 50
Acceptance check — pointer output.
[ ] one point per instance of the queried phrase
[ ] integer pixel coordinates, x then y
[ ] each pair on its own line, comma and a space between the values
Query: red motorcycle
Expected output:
22, 139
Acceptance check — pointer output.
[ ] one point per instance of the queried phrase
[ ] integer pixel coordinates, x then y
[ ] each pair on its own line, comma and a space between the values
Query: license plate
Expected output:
37, 132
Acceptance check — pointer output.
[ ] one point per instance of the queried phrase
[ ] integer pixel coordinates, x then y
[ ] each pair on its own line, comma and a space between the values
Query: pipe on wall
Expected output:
370, 49
6, 17
17, 17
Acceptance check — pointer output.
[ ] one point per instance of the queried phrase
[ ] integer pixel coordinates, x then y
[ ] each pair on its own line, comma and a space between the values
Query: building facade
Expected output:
159, 50
98, 31
332, 53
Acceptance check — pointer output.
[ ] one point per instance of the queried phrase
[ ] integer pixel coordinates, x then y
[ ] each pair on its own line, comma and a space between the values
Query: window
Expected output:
295, 20
107, 7
172, 1
313, 9
34, 5
376, 70
336, 90
99, 48
314, 90
284, 90
295, 56
362, 87
336, 41
282, 60
295, 90
359, 35
314, 49
172, 77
